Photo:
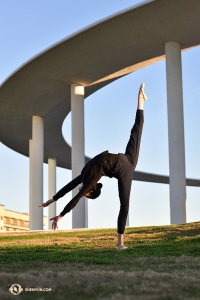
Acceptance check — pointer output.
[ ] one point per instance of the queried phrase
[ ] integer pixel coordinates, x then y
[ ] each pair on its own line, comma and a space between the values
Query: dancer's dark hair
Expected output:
95, 193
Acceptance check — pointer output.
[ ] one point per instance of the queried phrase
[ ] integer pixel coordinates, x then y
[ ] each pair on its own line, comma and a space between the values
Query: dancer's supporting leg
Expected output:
132, 151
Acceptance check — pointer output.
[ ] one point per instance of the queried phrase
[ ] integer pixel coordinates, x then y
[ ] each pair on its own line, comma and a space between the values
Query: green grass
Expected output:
160, 263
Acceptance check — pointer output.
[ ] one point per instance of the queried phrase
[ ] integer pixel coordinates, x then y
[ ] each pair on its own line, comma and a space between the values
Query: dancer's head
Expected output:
95, 193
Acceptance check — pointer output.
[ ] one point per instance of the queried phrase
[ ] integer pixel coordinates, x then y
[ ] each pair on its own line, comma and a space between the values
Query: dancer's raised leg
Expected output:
132, 149
141, 97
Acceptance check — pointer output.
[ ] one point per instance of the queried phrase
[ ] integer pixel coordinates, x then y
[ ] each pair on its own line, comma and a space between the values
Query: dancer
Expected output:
121, 166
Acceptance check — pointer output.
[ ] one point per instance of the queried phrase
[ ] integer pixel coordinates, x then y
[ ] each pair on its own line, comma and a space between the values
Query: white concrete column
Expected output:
176, 133
30, 185
79, 213
127, 220
36, 173
52, 189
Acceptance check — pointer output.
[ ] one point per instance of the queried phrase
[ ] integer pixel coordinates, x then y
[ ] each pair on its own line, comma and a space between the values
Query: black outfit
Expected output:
121, 166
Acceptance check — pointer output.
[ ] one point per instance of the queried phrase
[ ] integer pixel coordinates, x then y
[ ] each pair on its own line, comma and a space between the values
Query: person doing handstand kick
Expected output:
121, 166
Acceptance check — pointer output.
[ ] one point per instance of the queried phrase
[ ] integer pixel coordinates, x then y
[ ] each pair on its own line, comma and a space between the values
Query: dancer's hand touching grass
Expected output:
55, 222
45, 204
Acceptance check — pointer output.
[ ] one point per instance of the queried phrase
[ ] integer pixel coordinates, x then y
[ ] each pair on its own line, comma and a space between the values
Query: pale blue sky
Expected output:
29, 27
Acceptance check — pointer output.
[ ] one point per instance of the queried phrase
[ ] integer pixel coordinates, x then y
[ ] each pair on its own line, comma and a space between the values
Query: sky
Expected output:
29, 27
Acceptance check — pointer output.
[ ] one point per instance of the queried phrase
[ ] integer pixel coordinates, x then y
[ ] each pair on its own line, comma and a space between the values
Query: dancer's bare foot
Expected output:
141, 97
141, 92
121, 247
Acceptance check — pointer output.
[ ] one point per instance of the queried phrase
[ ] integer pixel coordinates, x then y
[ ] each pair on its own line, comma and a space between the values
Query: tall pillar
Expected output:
52, 189
30, 184
36, 173
127, 220
176, 133
79, 213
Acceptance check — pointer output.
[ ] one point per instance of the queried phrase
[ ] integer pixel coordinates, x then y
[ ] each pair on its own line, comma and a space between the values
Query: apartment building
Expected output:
15, 221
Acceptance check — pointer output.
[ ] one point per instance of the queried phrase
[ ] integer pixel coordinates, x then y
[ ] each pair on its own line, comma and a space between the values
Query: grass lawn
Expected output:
160, 263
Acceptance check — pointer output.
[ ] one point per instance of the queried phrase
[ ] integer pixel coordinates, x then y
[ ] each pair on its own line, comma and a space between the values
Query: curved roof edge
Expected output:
76, 33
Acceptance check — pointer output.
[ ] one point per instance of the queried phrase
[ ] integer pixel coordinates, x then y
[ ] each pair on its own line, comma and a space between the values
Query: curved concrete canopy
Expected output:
92, 57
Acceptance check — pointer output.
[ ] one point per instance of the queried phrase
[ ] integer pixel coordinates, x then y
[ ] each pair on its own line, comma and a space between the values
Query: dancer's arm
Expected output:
45, 204
83, 191
66, 189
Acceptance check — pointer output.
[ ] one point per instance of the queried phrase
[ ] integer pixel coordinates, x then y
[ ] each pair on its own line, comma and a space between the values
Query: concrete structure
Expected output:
30, 181
93, 58
15, 221
36, 173
52, 189
176, 133
79, 213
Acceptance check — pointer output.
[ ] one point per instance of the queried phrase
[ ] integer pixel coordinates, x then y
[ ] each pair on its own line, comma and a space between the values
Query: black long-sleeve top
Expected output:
101, 165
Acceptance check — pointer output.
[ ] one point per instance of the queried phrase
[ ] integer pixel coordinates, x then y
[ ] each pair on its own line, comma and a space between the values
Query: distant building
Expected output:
15, 221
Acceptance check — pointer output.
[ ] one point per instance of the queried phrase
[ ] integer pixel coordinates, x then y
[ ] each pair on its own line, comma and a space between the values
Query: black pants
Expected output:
125, 167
